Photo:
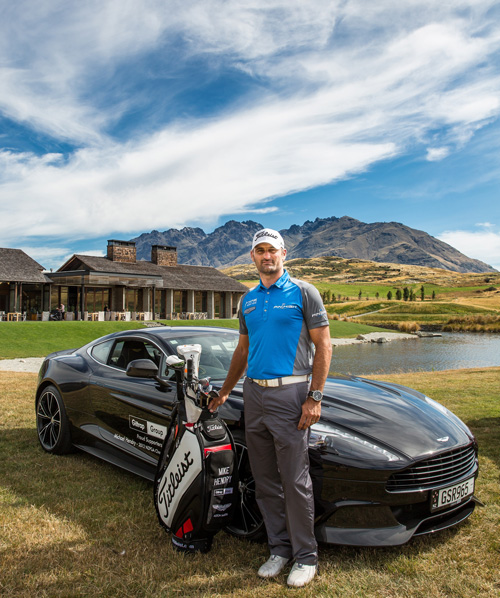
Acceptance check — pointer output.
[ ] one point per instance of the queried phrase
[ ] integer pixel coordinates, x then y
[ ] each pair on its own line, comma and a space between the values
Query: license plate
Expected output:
451, 495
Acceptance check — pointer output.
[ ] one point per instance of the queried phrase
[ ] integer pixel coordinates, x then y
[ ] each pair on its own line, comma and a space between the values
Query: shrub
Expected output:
481, 323
408, 327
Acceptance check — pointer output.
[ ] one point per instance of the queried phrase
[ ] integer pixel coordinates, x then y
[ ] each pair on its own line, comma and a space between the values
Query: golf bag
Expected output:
195, 488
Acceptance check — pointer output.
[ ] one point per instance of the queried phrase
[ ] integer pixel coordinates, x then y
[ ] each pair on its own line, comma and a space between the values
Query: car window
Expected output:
128, 350
216, 351
101, 351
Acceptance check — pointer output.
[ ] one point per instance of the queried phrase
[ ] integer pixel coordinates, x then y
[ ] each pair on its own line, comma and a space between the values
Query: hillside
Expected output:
347, 277
340, 270
385, 242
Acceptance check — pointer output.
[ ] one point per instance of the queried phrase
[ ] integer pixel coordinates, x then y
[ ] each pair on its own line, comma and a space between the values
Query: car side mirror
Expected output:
142, 368
145, 368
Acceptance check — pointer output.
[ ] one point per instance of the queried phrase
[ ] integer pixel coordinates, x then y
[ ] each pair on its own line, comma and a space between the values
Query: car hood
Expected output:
398, 417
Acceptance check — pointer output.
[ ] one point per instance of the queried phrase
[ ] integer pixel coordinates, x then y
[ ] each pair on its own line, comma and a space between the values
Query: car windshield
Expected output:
217, 350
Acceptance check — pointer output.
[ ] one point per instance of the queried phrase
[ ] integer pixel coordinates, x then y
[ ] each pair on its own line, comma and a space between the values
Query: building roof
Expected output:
180, 277
17, 266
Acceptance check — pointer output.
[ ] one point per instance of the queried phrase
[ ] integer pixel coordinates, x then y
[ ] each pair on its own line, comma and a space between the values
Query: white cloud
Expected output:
48, 257
51, 258
182, 175
482, 245
95, 252
486, 224
55, 58
434, 154
341, 86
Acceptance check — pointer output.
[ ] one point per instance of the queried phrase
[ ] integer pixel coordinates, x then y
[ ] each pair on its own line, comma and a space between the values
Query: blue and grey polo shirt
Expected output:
277, 321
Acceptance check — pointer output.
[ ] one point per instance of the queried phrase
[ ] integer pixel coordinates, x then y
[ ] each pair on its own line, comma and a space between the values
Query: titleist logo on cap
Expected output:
265, 233
268, 235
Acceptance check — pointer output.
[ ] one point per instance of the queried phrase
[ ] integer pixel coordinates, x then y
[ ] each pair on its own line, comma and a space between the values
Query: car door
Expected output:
132, 414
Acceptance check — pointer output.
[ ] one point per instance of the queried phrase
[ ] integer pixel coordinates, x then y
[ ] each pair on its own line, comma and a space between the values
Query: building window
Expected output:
180, 301
4, 296
200, 301
96, 298
133, 299
217, 305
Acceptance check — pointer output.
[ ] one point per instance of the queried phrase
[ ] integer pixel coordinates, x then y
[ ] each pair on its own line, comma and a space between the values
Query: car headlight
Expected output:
346, 443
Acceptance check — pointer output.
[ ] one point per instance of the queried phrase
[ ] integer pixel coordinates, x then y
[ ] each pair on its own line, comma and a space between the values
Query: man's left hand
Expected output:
311, 411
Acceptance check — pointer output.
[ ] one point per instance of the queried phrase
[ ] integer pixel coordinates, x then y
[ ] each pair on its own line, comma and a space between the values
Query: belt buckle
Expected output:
264, 383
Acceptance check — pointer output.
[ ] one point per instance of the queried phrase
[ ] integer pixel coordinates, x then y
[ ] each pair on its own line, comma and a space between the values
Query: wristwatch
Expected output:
316, 395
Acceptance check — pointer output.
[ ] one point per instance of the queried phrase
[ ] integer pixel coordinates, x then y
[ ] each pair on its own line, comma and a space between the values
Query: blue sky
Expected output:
118, 118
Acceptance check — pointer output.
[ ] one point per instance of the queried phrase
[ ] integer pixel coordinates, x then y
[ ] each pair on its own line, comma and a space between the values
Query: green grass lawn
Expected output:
353, 308
433, 314
411, 308
352, 290
75, 527
427, 307
37, 339
370, 290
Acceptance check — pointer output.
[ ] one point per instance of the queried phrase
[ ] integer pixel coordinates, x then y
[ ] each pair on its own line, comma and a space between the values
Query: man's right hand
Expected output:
236, 371
217, 401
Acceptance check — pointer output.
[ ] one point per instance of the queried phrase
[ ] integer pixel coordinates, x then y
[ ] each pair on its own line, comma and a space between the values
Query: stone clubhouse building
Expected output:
117, 286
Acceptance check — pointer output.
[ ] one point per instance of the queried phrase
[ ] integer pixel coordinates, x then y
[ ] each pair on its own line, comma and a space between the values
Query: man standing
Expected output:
285, 341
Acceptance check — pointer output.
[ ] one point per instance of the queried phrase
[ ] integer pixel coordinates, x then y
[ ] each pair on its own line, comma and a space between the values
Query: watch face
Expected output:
317, 395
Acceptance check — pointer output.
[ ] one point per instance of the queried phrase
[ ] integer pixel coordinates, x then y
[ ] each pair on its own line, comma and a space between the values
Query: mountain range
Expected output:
346, 237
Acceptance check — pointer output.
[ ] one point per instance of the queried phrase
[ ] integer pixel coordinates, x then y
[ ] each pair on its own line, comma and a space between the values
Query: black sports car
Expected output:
387, 462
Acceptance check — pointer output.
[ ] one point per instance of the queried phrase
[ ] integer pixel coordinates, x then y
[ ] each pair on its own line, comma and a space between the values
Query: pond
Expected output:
449, 351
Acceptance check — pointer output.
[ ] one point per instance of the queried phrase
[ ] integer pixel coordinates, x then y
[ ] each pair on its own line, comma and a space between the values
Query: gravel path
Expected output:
26, 364
32, 364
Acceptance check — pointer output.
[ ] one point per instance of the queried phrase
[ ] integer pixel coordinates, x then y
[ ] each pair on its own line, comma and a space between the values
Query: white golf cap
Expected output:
268, 235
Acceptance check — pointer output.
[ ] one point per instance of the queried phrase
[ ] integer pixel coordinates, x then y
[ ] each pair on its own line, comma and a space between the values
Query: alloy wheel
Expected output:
48, 420
247, 521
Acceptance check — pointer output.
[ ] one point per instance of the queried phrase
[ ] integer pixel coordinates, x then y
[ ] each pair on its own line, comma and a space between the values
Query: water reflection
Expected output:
451, 351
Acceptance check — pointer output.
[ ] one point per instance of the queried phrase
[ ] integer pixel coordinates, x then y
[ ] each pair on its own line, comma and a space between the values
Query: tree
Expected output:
389, 295
399, 295
406, 294
359, 294
422, 293
433, 295
377, 294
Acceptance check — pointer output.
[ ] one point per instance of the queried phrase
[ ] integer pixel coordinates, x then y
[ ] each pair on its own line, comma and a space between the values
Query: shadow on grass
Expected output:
115, 538
76, 526
487, 433
117, 531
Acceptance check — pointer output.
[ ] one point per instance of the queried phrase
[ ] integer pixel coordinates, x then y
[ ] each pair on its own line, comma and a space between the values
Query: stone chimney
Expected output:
163, 255
122, 251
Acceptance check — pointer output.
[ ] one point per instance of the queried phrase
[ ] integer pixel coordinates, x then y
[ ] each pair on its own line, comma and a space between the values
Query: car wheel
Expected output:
247, 522
52, 422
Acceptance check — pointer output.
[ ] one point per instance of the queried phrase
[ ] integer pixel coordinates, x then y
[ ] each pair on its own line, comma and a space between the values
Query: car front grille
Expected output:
440, 470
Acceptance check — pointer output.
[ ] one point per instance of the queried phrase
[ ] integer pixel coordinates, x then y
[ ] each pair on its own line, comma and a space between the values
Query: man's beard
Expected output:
269, 268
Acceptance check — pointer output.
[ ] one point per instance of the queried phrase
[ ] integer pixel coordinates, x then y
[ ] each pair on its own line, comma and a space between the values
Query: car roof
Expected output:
161, 333
165, 332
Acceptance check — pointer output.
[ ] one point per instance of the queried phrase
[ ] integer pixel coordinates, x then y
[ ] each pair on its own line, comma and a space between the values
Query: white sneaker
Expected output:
273, 566
300, 575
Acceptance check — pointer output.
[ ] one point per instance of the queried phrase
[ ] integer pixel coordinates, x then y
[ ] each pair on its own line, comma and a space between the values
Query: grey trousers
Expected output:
279, 459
